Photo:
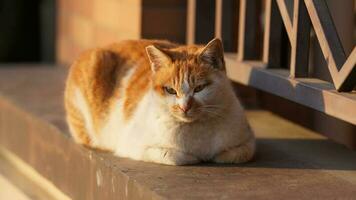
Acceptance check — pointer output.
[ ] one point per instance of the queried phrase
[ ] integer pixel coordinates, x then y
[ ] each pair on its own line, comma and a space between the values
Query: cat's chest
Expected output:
202, 139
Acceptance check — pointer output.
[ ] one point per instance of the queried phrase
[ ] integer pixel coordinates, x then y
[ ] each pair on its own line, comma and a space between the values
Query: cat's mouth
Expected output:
186, 117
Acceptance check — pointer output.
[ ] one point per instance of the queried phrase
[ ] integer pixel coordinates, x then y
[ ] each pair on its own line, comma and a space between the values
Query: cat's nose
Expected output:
185, 109
187, 106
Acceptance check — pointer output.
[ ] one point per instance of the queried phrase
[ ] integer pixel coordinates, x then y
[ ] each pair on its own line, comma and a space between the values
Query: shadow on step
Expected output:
300, 154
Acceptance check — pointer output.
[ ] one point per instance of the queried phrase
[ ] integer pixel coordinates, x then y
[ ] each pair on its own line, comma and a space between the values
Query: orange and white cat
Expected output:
157, 101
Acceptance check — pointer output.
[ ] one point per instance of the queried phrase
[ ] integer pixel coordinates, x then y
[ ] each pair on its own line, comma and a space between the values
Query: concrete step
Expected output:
291, 163
9, 191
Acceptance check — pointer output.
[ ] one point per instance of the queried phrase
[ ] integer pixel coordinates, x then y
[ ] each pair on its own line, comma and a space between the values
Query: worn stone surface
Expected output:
291, 163
9, 191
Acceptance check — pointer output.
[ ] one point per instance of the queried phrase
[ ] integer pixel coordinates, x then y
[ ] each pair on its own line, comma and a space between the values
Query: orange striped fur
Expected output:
98, 74
139, 87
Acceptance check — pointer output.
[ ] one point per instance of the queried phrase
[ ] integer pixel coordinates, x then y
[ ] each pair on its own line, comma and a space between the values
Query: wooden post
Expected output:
218, 18
272, 35
300, 41
191, 10
247, 30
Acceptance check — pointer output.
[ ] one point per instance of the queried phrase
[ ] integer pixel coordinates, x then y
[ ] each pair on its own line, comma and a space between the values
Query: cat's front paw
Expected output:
169, 156
238, 154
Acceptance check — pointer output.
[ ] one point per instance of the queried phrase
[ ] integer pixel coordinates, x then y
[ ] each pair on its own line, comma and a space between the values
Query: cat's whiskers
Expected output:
214, 114
211, 110
212, 106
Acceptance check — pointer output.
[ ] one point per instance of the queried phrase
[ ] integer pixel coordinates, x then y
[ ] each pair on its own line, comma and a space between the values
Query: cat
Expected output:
156, 101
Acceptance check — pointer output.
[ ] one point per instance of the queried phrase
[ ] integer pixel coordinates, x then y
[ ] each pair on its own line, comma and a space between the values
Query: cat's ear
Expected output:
213, 54
157, 58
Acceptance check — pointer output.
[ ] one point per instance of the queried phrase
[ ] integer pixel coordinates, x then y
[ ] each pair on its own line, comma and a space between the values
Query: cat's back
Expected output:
127, 52
115, 59
134, 50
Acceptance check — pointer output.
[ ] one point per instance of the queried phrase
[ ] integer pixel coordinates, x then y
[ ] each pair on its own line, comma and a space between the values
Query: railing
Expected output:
298, 17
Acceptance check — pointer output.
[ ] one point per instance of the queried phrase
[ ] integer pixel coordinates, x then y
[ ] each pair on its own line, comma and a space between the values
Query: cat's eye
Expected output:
170, 90
200, 88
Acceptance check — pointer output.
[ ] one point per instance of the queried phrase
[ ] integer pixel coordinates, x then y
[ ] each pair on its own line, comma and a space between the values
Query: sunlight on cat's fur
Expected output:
157, 101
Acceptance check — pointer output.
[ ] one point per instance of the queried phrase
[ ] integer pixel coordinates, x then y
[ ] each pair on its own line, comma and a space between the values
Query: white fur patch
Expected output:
82, 104
152, 131
185, 84
115, 123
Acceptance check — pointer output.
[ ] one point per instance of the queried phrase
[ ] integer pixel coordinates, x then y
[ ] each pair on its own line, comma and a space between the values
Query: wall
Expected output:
83, 24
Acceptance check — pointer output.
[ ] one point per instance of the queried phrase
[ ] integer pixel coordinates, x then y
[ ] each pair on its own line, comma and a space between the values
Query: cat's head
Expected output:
189, 81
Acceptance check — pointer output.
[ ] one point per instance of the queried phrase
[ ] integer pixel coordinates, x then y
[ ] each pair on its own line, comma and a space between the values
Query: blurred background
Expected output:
28, 30
50, 31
